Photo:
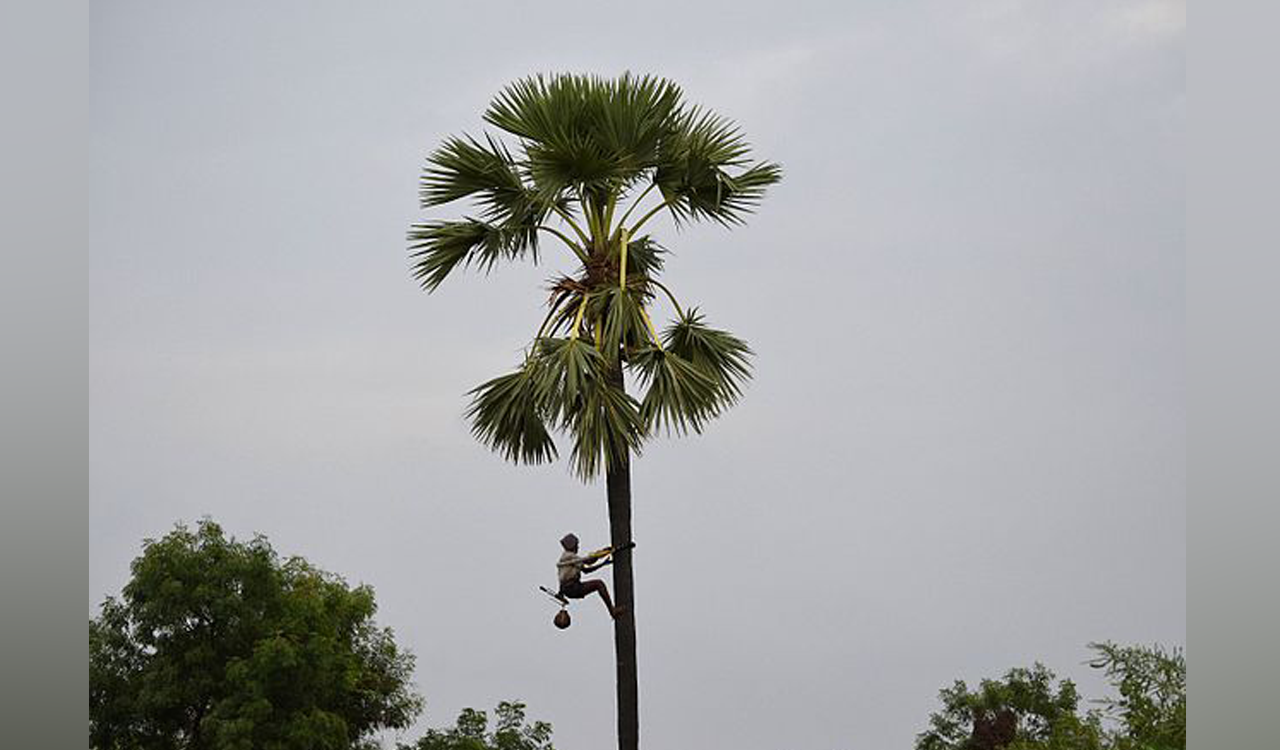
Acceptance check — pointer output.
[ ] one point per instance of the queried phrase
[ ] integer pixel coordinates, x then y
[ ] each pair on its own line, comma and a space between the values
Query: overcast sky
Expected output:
964, 447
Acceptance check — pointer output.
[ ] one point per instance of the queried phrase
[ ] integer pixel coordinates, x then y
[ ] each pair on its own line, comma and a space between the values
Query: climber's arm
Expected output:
597, 566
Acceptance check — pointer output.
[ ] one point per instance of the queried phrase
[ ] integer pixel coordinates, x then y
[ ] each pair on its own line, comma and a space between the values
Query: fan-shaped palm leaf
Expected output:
622, 321
694, 175
463, 167
644, 256
508, 415
586, 131
721, 356
438, 247
606, 429
679, 397
563, 370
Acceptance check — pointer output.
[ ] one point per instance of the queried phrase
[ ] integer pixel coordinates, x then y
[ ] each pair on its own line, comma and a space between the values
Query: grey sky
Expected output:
964, 446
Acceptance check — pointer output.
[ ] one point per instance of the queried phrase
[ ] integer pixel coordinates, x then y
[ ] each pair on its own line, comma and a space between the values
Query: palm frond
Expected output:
606, 429
586, 131
644, 256
568, 379
573, 161
438, 247
721, 356
679, 397
744, 192
623, 327
508, 415
696, 170
564, 312
463, 167
564, 369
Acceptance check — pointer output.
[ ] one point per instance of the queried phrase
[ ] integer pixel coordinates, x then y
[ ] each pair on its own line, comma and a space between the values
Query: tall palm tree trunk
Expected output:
618, 482
624, 627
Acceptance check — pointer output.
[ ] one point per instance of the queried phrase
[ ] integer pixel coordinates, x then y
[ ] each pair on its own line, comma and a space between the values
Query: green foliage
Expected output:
586, 145
586, 132
1025, 711
220, 644
471, 732
692, 170
441, 246
462, 167
719, 355
565, 370
608, 427
680, 396
1152, 683
508, 414
622, 325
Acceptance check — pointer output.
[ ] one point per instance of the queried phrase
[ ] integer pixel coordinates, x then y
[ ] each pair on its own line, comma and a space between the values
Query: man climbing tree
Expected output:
595, 160
571, 566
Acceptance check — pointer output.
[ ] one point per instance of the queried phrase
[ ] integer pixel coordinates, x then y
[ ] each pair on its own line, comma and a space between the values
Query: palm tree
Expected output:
594, 160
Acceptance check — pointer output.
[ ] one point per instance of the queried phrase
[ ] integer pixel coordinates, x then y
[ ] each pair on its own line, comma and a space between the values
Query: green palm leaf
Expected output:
623, 326
694, 170
721, 356
586, 131
438, 247
563, 370
606, 429
463, 167
679, 396
508, 415
644, 256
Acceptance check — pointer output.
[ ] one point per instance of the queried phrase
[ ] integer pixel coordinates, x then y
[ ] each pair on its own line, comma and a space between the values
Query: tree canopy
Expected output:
221, 644
471, 732
1022, 711
1151, 709
1027, 710
587, 153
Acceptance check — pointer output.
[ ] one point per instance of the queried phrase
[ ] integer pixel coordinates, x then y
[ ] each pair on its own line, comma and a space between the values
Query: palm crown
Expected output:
590, 153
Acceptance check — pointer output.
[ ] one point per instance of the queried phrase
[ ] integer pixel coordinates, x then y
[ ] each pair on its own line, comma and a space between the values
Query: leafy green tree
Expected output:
1023, 711
587, 155
220, 644
1152, 708
471, 732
